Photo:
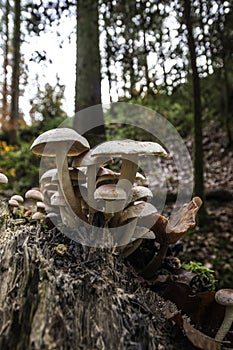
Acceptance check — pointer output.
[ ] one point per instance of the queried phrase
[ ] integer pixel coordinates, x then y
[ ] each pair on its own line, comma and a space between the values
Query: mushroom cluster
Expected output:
90, 186
32, 206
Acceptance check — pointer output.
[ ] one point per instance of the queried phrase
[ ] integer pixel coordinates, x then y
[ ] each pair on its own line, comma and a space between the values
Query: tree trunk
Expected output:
5, 89
198, 148
14, 115
84, 299
88, 75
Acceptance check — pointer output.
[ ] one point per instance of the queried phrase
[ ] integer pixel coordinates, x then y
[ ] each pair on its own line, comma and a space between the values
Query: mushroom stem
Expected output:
149, 271
65, 182
91, 177
226, 324
128, 173
129, 249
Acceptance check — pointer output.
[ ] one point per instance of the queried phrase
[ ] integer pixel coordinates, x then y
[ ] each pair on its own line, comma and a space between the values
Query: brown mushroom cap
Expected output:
110, 178
138, 210
47, 143
3, 179
224, 297
140, 193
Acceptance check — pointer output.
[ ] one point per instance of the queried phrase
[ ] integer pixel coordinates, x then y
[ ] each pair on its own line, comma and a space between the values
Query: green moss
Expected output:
203, 271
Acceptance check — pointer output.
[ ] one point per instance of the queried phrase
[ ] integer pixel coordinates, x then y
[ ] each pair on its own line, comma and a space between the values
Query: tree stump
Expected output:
84, 298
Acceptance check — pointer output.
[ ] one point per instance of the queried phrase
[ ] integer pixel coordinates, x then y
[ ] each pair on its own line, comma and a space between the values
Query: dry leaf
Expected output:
183, 220
197, 338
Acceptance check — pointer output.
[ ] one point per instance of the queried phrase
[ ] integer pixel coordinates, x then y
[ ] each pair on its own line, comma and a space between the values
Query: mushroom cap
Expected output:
86, 159
34, 194
13, 203
111, 178
121, 148
18, 198
104, 171
138, 210
49, 143
110, 192
3, 178
143, 232
58, 200
38, 216
224, 297
47, 176
40, 205
139, 193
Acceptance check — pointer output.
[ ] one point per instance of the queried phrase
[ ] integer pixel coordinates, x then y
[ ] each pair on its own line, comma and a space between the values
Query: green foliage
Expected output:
201, 271
18, 162
20, 166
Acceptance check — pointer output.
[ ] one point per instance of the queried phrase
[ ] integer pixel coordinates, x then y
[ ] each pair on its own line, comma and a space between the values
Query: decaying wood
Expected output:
85, 299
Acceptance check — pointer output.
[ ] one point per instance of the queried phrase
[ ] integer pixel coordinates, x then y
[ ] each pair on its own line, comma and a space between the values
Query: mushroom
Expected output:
3, 178
18, 198
141, 193
34, 196
40, 207
91, 163
60, 143
129, 151
113, 196
128, 219
14, 205
108, 178
138, 210
46, 178
57, 200
225, 297
140, 233
38, 216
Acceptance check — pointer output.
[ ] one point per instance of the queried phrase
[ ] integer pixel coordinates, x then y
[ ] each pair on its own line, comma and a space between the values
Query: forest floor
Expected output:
212, 245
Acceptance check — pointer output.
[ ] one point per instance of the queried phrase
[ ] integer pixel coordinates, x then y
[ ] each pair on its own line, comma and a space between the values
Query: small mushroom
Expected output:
40, 207
113, 196
38, 216
3, 178
33, 196
225, 297
138, 210
14, 205
18, 198
141, 193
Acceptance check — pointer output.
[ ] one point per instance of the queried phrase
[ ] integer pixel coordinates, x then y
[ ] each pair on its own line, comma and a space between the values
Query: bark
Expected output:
198, 147
14, 115
84, 299
88, 74
5, 91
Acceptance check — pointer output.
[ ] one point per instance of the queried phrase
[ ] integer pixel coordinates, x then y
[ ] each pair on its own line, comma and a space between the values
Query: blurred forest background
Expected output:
174, 57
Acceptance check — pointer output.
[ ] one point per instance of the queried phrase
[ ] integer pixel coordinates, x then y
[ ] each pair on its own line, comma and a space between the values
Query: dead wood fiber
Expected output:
86, 299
